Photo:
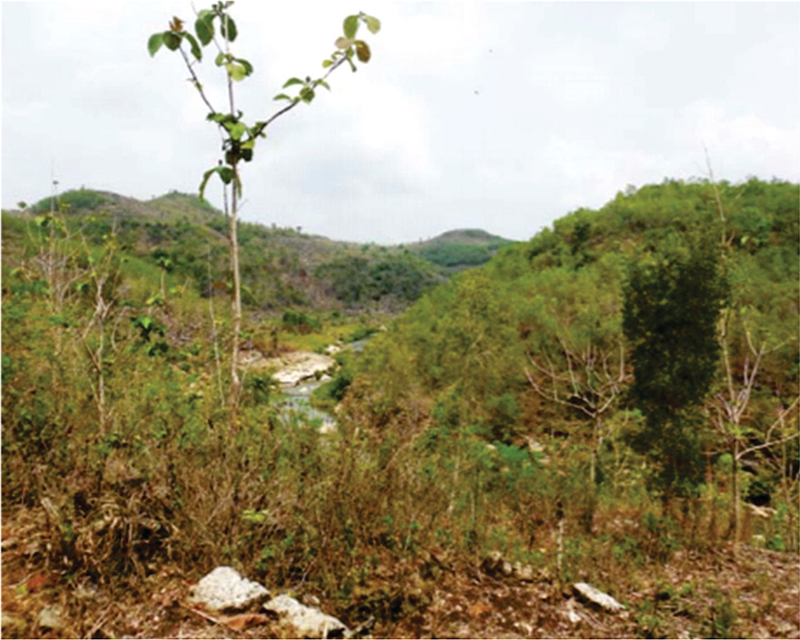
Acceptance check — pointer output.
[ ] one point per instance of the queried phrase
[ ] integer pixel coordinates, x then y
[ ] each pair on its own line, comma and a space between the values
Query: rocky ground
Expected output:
755, 594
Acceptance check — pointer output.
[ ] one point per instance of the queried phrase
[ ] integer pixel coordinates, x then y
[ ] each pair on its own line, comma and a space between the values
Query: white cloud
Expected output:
434, 38
390, 123
569, 74
745, 140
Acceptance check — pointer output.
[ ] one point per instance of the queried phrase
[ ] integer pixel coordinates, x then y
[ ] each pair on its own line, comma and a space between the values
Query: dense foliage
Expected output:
358, 279
603, 335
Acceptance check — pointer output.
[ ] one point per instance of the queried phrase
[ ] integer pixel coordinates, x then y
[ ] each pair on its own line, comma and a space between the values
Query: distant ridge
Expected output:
460, 248
280, 266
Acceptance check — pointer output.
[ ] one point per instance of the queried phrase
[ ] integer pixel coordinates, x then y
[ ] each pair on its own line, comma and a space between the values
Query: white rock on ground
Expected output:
225, 590
301, 365
588, 592
50, 617
308, 622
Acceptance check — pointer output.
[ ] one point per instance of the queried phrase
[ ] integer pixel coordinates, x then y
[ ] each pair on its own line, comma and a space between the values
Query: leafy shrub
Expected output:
300, 322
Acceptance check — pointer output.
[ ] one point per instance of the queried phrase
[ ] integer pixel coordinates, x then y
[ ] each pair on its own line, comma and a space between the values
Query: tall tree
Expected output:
672, 302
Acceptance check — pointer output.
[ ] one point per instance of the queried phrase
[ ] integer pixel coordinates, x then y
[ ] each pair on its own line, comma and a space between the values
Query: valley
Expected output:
437, 439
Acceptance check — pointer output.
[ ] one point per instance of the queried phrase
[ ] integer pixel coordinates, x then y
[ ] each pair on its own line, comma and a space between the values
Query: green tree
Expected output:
672, 302
239, 138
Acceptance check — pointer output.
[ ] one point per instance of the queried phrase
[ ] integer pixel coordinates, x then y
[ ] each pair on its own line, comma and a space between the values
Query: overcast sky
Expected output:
502, 116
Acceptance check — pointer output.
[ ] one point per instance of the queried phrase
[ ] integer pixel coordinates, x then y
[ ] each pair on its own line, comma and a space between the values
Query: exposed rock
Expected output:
307, 622
225, 590
496, 565
594, 596
327, 427
50, 617
297, 366
571, 614
523, 571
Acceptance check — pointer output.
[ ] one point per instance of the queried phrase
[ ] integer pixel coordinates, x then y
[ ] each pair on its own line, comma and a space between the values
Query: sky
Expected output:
494, 115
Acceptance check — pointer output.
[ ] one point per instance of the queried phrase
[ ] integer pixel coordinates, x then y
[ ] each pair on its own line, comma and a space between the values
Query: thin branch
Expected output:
258, 130
766, 444
716, 191
195, 79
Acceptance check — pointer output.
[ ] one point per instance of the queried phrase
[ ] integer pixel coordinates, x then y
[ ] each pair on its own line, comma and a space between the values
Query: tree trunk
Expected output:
235, 390
735, 482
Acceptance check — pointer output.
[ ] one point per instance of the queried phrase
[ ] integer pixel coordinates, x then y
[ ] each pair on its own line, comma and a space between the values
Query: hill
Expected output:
460, 249
280, 266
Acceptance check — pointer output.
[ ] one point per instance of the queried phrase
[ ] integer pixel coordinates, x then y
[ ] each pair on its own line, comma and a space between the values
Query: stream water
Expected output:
295, 400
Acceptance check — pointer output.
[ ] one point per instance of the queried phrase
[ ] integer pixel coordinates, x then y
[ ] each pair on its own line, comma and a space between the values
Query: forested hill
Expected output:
280, 266
461, 248
553, 341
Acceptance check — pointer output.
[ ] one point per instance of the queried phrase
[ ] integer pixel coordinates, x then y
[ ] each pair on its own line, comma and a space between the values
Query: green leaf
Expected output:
154, 43
248, 68
220, 59
226, 173
327, 63
307, 95
247, 154
350, 26
324, 84
171, 40
292, 81
362, 51
227, 28
281, 96
196, 52
204, 181
204, 30
343, 43
217, 117
373, 24
236, 129
236, 71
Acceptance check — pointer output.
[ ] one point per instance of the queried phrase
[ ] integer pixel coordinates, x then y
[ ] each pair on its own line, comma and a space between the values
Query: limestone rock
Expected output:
225, 590
494, 564
308, 622
524, 572
594, 596
50, 617
300, 365
571, 614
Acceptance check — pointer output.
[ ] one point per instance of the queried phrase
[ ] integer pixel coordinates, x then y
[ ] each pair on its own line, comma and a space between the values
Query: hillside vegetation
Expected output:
614, 401
460, 248
280, 266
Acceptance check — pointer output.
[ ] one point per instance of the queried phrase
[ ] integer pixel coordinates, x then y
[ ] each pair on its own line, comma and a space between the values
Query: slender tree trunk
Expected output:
735, 482
236, 385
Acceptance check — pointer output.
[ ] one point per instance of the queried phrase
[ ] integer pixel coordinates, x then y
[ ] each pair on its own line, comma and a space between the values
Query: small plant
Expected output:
722, 616
661, 539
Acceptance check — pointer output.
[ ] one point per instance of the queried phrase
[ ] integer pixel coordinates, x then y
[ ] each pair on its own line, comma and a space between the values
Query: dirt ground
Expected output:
755, 594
